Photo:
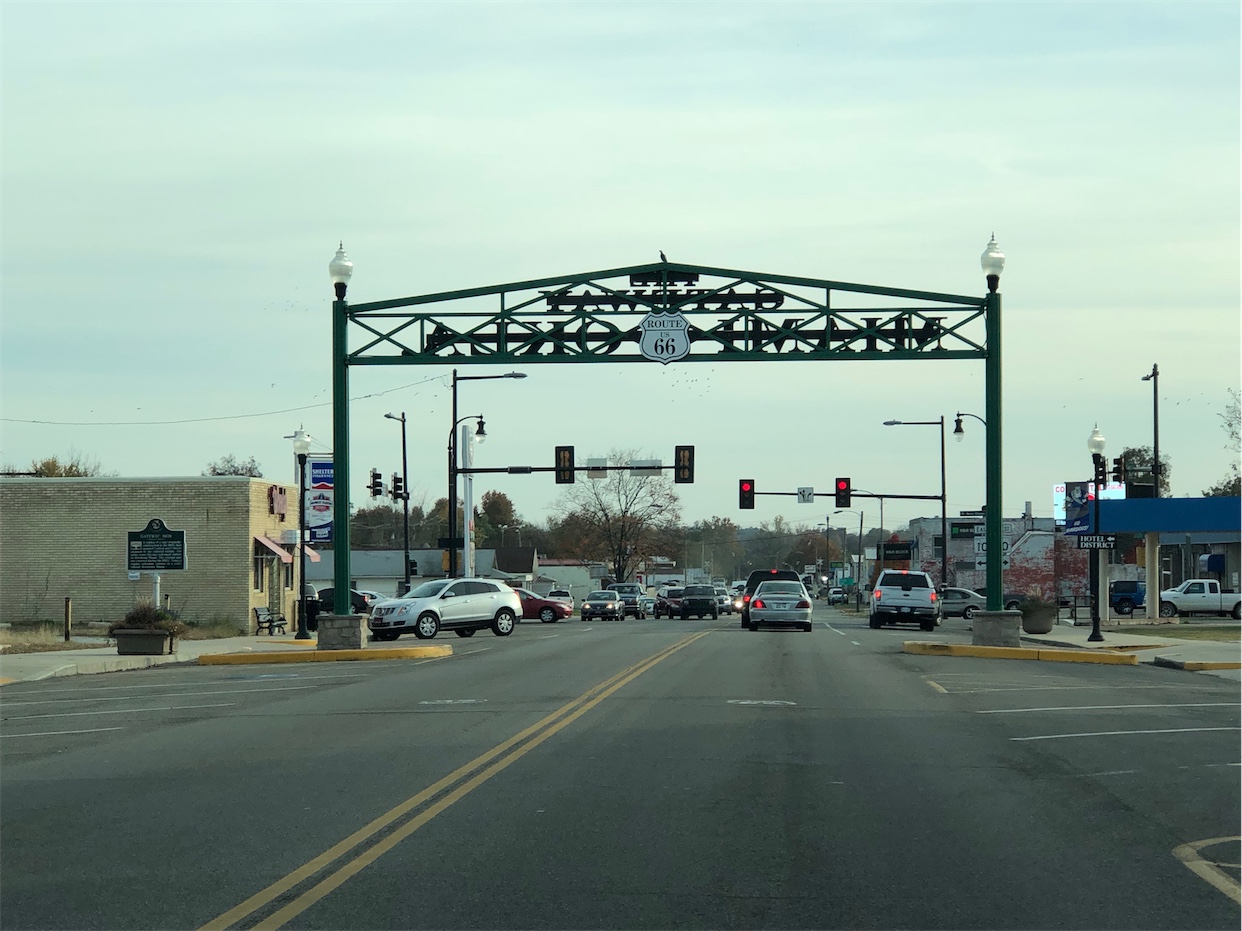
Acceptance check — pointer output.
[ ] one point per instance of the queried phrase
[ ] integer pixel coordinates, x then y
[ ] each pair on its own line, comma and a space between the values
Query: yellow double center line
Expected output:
524, 742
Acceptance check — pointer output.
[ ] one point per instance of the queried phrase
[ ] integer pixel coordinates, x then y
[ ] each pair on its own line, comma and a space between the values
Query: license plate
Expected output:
783, 605
905, 610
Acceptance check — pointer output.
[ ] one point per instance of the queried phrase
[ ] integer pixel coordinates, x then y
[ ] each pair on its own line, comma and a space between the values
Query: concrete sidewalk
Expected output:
1222, 658
31, 667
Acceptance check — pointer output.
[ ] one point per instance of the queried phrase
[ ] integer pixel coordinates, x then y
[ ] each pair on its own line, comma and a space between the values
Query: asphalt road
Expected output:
646, 774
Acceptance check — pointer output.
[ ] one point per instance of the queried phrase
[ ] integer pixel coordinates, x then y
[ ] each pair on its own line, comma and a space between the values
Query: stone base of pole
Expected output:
342, 631
996, 629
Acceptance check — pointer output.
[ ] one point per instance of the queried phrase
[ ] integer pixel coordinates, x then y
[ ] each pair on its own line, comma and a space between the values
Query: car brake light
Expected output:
933, 596
746, 599
757, 603
803, 604
876, 594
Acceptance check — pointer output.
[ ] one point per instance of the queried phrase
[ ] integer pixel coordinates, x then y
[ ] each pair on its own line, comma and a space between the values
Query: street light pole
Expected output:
1096, 445
339, 271
405, 497
301, 446
993, 263
452, 463
858, 574
944, 509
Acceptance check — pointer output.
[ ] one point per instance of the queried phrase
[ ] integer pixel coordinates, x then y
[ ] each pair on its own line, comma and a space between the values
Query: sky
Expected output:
176, 178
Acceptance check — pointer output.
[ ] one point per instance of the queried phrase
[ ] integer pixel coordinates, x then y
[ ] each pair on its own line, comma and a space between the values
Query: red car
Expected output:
543, 609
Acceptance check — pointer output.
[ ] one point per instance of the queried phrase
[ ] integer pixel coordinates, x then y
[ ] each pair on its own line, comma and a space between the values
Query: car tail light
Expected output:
746, 599
933, 597
876, 594
803, 604
757, 603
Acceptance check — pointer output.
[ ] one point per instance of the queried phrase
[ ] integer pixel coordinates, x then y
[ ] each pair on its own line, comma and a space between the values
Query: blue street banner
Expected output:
320, 498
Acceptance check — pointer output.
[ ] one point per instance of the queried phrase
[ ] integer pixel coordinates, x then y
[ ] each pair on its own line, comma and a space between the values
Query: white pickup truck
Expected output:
904, 596
1200, 596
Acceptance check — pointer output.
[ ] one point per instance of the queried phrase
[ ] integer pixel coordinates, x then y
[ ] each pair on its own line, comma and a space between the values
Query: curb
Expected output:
932, 648
325, 656
1192, 665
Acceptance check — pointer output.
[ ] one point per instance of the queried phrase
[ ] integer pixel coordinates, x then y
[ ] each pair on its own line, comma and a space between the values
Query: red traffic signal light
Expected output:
843, 492
746, 494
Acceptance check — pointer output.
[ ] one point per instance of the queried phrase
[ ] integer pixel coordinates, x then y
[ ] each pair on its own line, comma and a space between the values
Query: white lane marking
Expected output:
78, 714
548, 637
1114, 772
748, 701
856, 643
93, 730
453, 701
1065, 688
1201, 704
61, 701
167, 685
833, 629
1170, 730
467, 653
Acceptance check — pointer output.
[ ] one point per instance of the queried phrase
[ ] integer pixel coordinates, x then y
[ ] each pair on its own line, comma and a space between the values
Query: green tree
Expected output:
1139, 461
1231, 423
75, 465
229, 465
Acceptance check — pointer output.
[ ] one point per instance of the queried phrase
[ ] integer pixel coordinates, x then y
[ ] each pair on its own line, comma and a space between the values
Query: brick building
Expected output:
68, 537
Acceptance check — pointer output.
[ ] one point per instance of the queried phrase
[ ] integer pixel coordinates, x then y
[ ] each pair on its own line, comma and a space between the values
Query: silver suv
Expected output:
460, 605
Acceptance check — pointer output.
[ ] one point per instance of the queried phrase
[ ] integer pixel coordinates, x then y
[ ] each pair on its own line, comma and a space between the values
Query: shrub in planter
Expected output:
1038, 614
146, 616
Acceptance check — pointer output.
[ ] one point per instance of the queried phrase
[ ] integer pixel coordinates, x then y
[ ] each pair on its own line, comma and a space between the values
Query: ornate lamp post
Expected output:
339, 271
301, 446
993, 263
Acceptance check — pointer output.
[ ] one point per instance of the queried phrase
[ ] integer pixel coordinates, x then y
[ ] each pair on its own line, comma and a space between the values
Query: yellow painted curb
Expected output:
1197, 667
929, 648
325, 656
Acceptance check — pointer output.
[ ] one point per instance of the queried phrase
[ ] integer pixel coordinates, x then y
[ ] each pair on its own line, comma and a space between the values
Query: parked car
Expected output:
630, 593
605, 604
961, 602
763, 575
547, 610
358, 601
1125, 595
561, 594
699, 601
460, 605
836, 596
782, 603
668, 603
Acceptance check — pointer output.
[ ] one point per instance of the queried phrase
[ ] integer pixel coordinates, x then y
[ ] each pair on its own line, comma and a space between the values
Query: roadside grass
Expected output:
47, 638
1219, 633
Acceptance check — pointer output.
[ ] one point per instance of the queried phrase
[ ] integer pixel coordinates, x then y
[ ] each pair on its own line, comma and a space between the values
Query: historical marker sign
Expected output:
155, 549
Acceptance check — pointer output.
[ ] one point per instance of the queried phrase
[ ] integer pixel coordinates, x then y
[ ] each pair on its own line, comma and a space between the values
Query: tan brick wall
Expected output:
67, 538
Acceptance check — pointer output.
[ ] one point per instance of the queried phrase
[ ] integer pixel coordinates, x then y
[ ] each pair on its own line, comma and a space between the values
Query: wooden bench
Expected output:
265, 620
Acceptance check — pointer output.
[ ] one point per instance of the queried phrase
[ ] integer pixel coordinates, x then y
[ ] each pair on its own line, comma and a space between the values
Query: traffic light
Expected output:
1101, 470
564, 465
843, 492
683, 468
398, 487
1119, 469
377, 483
746, 494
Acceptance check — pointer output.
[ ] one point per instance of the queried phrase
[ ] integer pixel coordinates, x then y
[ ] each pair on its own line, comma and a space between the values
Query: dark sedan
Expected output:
359, 602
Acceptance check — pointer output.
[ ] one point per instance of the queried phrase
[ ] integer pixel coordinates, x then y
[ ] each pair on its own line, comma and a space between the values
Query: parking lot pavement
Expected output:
31, 667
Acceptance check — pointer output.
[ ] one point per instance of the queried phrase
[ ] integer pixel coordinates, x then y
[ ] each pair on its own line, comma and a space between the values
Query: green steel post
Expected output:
340, 459
992, 388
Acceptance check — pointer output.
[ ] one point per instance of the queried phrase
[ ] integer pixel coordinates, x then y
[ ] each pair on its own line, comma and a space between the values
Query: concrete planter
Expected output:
1039, 620
996, 629
143, 642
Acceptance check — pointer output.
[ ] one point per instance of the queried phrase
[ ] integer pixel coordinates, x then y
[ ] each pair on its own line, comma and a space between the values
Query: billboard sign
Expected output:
1112, 491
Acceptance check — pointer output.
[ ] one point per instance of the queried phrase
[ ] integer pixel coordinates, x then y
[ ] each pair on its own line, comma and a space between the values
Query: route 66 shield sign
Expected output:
665, 337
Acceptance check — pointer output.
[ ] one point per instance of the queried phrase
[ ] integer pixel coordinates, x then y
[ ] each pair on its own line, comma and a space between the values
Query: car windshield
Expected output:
601, 596
427, 589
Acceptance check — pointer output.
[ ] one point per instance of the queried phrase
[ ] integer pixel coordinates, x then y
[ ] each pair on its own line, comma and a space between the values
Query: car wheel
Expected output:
928, 624
715, 615
1125, 606
503, 623
1011, 605
1237, 611
547, 615
745, 623
427, 627
968, 612
385, 635
807, 627
465, 632
1167, 609
874, 621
